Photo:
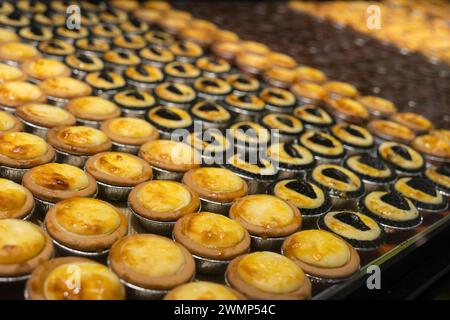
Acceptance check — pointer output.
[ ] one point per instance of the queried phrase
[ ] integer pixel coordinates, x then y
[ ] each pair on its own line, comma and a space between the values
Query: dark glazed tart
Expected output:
186, 51
56, 48
353, 137
422, 192
156, 56
314, 116
247, 104
243, 84
306, 196
134, 26
440, 176
134, 99
404, 159
106, 81
290, 156
288, 126
248, 134
211, 88
175, 94
49, 19
81, 63
209, 113
168, 119
71, 35
35, 33
129, 42
371, 169
92, 45
213, 67
121, 58
144, 75
159, 38
14, 19
361, 231
387, 130
277, 99
183, 72
260, 168
390, 209
105, 31
322, 145
347, 110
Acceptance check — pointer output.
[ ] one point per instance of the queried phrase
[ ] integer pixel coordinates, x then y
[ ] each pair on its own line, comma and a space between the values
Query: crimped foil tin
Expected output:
14, 174
161, 174
11, 110
62, 250
214, 206
114, 193
163, 228
127, 148
266, 243
138, 293
59, 102
89, 123
344, 203
42, 207
134, 113
210, 266
370, 186
35, 129
72, 159
284, 173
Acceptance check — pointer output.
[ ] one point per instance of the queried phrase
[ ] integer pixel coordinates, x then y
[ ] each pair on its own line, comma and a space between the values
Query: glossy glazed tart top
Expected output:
17, 93
65, 87
338, 181
322, 144
93, 108
353, 135
391, 131
314, 116
203, 290
129, 131
15, 200
45, 115
401, 156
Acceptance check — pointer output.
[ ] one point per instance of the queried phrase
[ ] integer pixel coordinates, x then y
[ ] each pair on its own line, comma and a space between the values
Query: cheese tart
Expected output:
170, 159
41, 69
440, 176
277, 99
252, 63
309, 93
117, 172
91, 110
14, 94
279, 77
35, 33
129, 134
9, 123
212, 145
313, 117
322, 255
20, 151
422, 192
150, 265
248, 135
291, 159
347, 110
212, 238
359, 230
91, 45
339, 89
113, 15
213, 67
354, 138
181, 72
158, 204
243, 83
105, 31
244, 106
106, 82
283, 126
267, 218
121, 59
24, 246
56, 49
14, 53
71, 35
211, 88
74, 144
210, 114
60, 90
16, 202
309, 74
7, 35
168, 119
325, 147
39, 118
157, 57
159, 39
386, 130
377, 106
144, 76
391, 209
53, 280
403, 158
203, 290
268, 276
85, 227
217, 187
175, 94
133, 25
134, 102
10, 73
416, 122
434, 147
186, 51
81, 64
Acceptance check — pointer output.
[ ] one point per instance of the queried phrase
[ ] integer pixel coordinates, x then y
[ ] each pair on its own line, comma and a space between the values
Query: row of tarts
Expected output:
307, 179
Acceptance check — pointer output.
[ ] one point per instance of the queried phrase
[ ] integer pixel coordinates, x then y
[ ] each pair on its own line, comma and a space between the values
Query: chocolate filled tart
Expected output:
176, 94
314, 116
210, 114
322, 145
243, 84
211, 88
277, 99
403, 158
353, 137
289, 156
287, 125
370, 169
440, 176
168, 119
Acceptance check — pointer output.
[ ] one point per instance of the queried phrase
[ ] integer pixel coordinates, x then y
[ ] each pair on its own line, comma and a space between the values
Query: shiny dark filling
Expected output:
302, 187
207, 106
15, 15
352, 220
210, 83
243, 80
104, 74
55, 45
159, 36
135, 22
353, 131
85, 59
444, 171
214, 61
291, 151
123, 55
183, 46
372, 162
314, 112
249, 131
127, 38
174, 90
135, 94
320, 139
336, 174
36, 30
107, 28
141, 69
275, 95
286, 121
402, 152
168, 114
422, 184
395, 200
245, 98
180, 68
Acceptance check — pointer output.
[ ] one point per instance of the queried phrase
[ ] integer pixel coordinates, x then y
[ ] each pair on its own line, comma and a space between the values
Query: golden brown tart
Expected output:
211, 66
61, 89
279, 59
168, 119
24, 246
211, 88
186, 50
403, 158
377, 106
440, 176
244, 104
106, 81
268, 276
322, 145
417, 123
44, 68
133, 25
210, 114
391, 210
252, 63
92, 108
215, 184
322, 255
222, 35
105, 31
53, 280
308, 92
92, 45
134, 102
49, 19
7, 35
254, 47
24, 150
14, 94
243, 84
339, 89
288, 126
121, 59
359, 230
183, 72
249, 134
57, 181
13, 20
372, 170
313, 116
309, 74
266, 216
391, 131
422, 192
291, 157
279, 77
176, 94
44, 116
278, 99
157, 57
9, 123
354, 138
148, 261
159, 39
16, 202
29, 6
82, 63
200, 36
78, 140
226, 50
34, 33
144, 75
258, 168
348, 110
86, 225
212, 144
203, 290
56, 48
71, 35
10, 73
435, 147
129, 131
113, 15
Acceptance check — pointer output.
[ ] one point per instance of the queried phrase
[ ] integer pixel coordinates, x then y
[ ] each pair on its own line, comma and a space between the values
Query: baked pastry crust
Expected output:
266, 215
17, 52
309, 74
341, 89
270, 271
65, 87
212, 86
377, 106
216, 184
182, 70
203, 290
32, 247
97, 281
45, 115
84, 62
432, 145
169, 118
391, 131
134, 99
93, 108
243, 83
322, 254
416, 122
145, 74
57, 181
24, 150
211, 235
56, 47
135, 265
163, 200
85, 224
157, 55
17, 93
348, 110
105, 80
310, 91
10, 73
213, 65
118, 168
353, 135
78, 140
370, 168
16, 202
278, 98
130, 131
170, 155
440, 176
9, 123
44, 68
175, 93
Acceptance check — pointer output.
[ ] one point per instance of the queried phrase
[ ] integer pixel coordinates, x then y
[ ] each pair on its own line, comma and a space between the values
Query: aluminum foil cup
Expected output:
370, 186
114, 193
8, 109
256, 186
216, 207
323, 160
35, 129
13, 287
137, 293
72, 159
14, 174
266, 244
134, 113
41, 208
243, 116
344, 204
163, 228
127, 148
62, 250
350, 151
290, 174
59, 102
210, 266
89, 123
161, 174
